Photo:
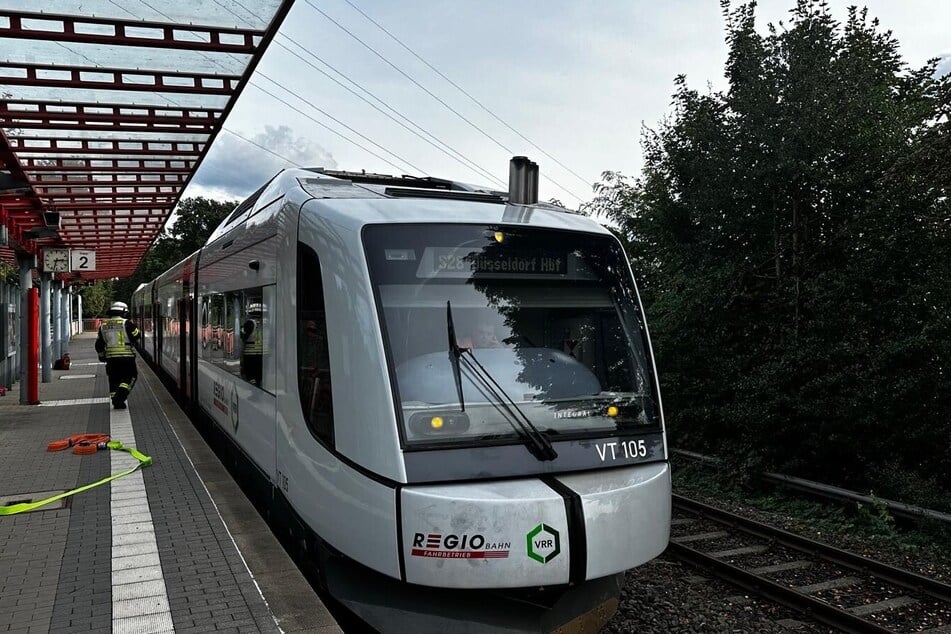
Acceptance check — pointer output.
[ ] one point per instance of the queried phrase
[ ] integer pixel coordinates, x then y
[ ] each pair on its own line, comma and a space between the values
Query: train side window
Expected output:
204, 326
213, 327
239, 335
251, 334
313, 358
232, 305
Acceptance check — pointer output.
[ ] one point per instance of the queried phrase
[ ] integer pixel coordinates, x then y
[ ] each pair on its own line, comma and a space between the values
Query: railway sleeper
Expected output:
881, 606
686, 539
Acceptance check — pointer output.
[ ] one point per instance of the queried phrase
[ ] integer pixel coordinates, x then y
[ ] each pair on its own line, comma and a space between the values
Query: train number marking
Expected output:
282, 481
627, 449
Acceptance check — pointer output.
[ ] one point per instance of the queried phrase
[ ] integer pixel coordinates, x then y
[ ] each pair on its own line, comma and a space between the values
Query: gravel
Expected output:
668, 596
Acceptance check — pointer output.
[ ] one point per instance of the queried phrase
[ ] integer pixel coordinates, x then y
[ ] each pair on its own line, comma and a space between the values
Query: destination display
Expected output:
464, 262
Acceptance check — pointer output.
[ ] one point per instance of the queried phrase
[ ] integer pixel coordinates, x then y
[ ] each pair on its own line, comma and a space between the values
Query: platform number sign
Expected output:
82, 260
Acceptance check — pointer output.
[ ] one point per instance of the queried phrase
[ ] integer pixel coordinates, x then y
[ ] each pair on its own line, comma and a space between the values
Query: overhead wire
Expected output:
220, 65
343, 136
258, 145
466, 93
318, 109
430, 93
459, 156
254, 143
204, 55
448, 151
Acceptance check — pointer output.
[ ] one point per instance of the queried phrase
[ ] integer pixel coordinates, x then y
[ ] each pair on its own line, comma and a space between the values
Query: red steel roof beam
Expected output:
29, 143
127, 180
57, 147
104, 206
51, 106
49, 154
69, 164
81, 120
99, 78
157, 127
99, 190
91, 197
62, 28
85, 169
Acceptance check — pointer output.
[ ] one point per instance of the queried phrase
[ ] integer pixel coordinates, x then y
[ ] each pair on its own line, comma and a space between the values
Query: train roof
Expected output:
357, 198
370, 185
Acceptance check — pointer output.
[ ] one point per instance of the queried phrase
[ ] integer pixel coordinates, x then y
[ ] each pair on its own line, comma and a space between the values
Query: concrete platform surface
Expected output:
149, 552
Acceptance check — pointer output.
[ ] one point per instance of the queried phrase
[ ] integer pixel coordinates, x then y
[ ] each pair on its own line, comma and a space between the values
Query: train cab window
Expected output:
549, 321
313, 359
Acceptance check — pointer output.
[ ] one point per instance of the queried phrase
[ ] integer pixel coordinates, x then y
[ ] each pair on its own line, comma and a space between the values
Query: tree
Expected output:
791, 237
97, 297
196, 219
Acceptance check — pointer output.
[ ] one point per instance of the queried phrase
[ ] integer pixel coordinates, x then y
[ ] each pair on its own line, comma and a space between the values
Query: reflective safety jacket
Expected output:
252, 335
116, 336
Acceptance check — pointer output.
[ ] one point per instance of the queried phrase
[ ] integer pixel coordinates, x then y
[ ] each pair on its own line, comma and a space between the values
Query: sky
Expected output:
578, 79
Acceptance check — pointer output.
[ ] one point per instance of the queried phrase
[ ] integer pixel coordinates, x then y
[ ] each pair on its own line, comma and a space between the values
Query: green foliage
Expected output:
876, 514
867, 523
791, 238
8, 273
196, 219
97, 298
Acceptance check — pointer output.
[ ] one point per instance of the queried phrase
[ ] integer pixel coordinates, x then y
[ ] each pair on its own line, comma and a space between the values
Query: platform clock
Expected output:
56, 260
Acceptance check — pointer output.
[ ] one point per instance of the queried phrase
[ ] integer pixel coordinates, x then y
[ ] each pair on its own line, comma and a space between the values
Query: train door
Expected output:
159, 321
193, 350
181, 311
256, 339
156, 316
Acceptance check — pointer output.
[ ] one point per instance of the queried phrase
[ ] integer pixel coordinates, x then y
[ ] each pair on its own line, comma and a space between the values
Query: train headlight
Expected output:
441, 424
625, 414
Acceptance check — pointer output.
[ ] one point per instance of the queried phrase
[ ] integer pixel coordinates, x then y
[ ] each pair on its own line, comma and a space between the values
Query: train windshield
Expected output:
550, 317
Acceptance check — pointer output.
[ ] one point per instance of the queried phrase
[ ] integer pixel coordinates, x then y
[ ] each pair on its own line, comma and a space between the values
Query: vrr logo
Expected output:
543, 543
234, 407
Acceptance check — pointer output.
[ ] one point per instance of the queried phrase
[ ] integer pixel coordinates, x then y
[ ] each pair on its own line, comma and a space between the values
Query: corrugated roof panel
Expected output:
107, 108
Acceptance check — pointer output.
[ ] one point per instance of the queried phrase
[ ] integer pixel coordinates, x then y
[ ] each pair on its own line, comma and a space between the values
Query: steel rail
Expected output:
897, 576
789, 597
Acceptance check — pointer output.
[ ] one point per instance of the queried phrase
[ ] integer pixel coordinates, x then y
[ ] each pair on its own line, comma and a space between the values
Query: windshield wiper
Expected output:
537, 443
455, 352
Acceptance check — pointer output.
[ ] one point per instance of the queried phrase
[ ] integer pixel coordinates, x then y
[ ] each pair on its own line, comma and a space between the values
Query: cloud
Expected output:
944, 66
235, 168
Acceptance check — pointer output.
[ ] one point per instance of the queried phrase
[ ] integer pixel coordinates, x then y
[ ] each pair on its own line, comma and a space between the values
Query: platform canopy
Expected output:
107, 109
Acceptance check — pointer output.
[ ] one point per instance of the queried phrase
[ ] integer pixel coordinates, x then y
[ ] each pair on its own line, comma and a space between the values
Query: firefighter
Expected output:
252, 340
114, 346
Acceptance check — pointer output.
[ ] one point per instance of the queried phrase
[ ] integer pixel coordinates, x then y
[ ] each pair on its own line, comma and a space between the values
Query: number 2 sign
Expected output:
82, 260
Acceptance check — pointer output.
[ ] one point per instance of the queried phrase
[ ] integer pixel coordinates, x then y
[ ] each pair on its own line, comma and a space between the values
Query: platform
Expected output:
174, 547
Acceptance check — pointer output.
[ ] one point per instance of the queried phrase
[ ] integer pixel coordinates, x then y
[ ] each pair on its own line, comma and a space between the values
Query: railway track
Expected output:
833, 586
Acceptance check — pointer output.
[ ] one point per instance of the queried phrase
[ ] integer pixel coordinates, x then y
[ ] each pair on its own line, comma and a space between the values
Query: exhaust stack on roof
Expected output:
523, 181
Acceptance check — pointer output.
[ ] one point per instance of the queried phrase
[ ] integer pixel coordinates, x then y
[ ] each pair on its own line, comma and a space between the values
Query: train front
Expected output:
528, 405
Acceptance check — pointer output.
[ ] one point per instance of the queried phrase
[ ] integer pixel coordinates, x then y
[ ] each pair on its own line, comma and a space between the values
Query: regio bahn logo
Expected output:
464, 546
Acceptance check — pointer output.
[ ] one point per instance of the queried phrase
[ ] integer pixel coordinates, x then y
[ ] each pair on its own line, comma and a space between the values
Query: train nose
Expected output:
535, 532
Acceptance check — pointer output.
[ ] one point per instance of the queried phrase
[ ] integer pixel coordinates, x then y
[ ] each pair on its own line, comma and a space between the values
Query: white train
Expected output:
444, 388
